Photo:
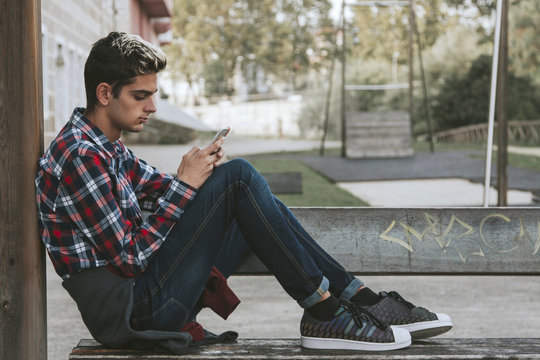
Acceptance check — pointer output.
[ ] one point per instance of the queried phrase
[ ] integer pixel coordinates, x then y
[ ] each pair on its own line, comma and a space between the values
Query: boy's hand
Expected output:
220, 154
197, 164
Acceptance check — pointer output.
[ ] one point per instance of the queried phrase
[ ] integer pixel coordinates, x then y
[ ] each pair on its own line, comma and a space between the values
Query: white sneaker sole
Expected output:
425, 329
402, 340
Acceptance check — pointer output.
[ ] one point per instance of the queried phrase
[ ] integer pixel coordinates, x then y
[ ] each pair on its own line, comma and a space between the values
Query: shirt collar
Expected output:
81, 122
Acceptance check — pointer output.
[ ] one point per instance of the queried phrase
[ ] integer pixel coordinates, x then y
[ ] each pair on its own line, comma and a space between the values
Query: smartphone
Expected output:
223, 132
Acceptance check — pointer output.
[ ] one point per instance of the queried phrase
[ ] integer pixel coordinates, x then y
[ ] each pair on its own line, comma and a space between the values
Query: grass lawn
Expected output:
527, 162
317, 190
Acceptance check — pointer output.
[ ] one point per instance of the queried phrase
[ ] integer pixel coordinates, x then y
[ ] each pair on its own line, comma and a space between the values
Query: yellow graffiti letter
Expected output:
387, 237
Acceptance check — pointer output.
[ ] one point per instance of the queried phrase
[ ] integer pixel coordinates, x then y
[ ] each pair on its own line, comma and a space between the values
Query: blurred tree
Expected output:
302, 21
449, 58
484, 7
204, 31
281, 38
452, 53
215, 83
524, 46
381, 33
464, 100
190, 48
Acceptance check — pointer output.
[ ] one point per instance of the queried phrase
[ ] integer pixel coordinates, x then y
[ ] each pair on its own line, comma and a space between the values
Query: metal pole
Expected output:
23, 331
343, 56
411, 62
330, 86
327, 106
502, 119
491, 119
424, 86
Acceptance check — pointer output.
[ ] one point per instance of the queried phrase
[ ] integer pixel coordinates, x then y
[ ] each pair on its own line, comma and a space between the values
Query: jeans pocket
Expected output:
171, 316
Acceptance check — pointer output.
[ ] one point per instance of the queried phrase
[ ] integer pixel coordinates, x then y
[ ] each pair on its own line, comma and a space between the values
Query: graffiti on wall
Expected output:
497, 232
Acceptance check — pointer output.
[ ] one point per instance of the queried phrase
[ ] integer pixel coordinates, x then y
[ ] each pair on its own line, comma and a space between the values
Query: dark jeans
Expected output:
233, 212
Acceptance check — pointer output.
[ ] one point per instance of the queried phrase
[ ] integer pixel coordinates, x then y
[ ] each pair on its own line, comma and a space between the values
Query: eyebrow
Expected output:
143, 92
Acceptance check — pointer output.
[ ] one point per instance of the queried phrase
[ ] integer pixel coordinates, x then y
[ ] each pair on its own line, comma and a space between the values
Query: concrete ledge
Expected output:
441, 349
453, 241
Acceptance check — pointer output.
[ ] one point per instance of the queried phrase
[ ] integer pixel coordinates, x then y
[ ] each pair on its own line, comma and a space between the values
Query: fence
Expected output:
518, 131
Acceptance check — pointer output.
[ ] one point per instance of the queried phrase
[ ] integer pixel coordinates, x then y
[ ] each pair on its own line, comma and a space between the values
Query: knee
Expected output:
240, 169
240, 166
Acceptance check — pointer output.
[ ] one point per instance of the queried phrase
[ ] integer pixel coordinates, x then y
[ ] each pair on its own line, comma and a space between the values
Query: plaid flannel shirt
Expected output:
90, 192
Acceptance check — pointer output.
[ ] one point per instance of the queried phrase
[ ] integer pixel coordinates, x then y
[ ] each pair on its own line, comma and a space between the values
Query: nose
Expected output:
150, 105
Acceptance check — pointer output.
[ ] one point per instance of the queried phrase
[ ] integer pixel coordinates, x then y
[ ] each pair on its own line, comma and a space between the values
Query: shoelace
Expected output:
357, 313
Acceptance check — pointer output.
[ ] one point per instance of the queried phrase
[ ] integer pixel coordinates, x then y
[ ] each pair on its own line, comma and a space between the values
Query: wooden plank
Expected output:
284, 349
378, 134
453, 241
284, 182
22, 257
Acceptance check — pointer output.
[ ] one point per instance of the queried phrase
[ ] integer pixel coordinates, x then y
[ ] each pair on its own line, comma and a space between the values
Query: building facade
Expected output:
70, 27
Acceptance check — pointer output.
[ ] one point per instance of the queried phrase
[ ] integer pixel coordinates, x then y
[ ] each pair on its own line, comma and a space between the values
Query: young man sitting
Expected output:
141, 282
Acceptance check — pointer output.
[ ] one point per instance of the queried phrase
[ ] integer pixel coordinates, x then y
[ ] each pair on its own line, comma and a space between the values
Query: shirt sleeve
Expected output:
149, 184
87, 199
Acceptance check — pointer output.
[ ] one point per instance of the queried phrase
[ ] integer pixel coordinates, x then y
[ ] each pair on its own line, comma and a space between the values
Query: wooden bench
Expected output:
284, 349
441, 241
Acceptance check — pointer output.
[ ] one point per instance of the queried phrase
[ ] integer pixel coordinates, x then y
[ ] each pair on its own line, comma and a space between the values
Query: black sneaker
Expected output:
418, 321
351, 328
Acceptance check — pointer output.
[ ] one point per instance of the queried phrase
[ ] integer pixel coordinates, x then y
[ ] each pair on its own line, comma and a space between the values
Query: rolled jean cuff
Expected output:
316, 296
351, 289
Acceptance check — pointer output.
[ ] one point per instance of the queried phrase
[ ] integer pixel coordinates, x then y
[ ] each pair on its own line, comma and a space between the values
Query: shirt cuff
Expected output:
176, 198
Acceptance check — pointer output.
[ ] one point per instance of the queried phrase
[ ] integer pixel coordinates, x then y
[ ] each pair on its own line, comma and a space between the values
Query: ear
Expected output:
104, 93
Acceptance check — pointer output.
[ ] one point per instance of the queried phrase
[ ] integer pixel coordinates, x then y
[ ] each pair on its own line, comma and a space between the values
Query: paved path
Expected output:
533, 151
423, 165
456, 192
445, 178
480, 306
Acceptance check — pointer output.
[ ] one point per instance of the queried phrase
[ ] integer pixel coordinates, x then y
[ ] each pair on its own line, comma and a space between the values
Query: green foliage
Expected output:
452, 54
527, 162
484, 7
524, 42
311, 117
283, 39
214, 79
376, 33
464, 100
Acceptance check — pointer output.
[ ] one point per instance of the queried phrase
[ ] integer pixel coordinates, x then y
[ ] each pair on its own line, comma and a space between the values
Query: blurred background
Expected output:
266, 67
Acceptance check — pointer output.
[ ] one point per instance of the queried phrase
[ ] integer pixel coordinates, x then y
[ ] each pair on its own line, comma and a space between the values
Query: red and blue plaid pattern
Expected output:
90, 193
